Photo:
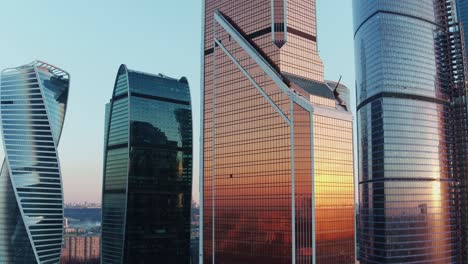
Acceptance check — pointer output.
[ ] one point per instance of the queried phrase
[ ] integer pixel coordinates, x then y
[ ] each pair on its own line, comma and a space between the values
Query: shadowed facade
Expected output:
147, 185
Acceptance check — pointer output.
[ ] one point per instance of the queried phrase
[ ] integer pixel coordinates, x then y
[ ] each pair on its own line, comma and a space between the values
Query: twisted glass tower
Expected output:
277, 167
33, 103
412, 131
147, 185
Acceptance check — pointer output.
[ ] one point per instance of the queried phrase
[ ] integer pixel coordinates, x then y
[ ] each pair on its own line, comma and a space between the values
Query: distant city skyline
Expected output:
161, 37
82, 235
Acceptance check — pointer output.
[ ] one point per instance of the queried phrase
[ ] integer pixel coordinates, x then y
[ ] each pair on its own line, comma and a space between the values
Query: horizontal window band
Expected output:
302, 34
39, 189
120, 96
279, 27
118, 146
411, 179
40, 195
401, 96
394, 13
152, 97
164, 99
266, 31
158, 147
209, 51
118, 191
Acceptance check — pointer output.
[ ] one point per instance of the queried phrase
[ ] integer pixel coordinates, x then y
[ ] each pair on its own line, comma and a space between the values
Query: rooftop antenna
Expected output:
338, 83
337, 95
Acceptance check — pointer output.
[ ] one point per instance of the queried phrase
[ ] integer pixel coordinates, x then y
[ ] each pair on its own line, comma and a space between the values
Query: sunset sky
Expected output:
90, 39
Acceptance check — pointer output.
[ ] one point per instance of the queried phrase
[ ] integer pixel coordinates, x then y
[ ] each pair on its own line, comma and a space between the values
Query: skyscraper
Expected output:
147, 188
33, 103
277, 168
462, 11
412, 131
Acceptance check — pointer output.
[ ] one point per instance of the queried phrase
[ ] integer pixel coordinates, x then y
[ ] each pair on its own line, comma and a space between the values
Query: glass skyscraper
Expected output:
462, 11
33, 103
147, 185
277, 158
412, 131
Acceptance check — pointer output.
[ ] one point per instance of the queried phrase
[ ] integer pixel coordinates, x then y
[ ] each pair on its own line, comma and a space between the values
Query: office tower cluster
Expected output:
277, 149
147, 184
33, 103
412, 130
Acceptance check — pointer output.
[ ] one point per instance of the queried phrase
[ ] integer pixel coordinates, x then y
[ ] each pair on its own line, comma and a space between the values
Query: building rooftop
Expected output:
312, 87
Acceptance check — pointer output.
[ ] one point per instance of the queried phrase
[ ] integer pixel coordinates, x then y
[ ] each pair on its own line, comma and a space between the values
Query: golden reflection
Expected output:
248, 154
436, 191
334, 190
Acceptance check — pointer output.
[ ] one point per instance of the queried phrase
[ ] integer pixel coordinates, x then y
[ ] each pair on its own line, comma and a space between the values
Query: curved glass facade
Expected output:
147, 188
33, 104
408, 184
277, 169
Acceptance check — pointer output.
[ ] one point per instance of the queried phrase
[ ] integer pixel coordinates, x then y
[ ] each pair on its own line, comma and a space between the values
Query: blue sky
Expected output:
90, 39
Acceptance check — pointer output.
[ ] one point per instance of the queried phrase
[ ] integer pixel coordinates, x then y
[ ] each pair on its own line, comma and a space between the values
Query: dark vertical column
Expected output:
279, 22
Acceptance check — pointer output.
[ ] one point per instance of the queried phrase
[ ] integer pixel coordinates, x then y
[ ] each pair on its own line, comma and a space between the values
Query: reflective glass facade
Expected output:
147, 188
33, 103
462, 10
277, 168
411, 112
